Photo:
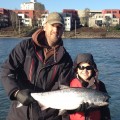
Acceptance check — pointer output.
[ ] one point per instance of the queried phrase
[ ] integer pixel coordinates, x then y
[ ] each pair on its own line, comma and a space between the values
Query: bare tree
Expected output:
40, 6
13, 19
107, 22
86, 16
37, 16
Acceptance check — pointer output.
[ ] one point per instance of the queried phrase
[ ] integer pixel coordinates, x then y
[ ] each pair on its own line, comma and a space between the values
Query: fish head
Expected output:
102, 100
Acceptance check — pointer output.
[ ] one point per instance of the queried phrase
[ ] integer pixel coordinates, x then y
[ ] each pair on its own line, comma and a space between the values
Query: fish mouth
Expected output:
105, 101
104, 104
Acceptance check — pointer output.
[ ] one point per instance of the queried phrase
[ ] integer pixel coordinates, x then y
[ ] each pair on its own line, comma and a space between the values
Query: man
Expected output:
38, 64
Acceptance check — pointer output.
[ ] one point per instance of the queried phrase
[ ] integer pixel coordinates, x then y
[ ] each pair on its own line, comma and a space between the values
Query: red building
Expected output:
27, 13
115, 12
4, 17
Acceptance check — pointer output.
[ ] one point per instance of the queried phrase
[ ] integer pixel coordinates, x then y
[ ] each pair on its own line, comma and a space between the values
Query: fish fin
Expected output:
64, 87
62, 112
92, 106
19, 105
44, 108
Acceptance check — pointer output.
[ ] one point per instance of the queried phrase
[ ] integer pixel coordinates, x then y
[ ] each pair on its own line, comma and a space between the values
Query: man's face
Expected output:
53, 33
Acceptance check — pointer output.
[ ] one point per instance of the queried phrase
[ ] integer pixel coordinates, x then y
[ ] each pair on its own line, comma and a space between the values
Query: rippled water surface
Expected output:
106, 53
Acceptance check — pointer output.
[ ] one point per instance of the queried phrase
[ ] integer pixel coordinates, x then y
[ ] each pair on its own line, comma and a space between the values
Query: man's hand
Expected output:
83, 107
24, 97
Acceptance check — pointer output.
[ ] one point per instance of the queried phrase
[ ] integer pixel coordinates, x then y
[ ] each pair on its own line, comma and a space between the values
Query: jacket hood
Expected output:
88, 58
40, 39
85, 57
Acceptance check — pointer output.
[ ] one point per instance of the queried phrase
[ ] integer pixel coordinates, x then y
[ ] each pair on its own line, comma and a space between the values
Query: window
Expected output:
26, 12
98, 22
108, 11
20, 17
114, 20
19, 12
26, 20
26, 16
114, 11
114, 16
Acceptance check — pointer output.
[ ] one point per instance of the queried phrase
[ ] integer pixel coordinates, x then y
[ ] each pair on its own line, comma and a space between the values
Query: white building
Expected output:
32, 5
92, 16
42, 20
24, 20
98, 20
67, 21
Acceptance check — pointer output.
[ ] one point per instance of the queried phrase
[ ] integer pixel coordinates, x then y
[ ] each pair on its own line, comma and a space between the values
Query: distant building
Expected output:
71, 19
29, 17
95, 18
87, 16
25, 16
32, 5
32, 15
114, 12
7, 17
114, 15
4, 17
67, 21
42, 20
99, 18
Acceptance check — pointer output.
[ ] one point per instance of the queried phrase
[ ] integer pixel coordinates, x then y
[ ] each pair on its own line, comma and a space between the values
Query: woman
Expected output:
87, 76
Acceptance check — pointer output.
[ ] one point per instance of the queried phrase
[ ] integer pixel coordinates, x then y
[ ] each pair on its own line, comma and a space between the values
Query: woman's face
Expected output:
84, 70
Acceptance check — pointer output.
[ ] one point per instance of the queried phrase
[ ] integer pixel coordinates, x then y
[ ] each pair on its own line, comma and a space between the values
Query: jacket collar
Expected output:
40, 40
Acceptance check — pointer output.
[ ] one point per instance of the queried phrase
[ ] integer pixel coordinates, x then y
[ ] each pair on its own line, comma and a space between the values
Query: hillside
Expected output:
86, 32
83, 32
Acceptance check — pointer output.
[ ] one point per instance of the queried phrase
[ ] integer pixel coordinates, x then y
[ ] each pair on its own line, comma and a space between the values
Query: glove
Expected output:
83, 107
85, 84
24, 97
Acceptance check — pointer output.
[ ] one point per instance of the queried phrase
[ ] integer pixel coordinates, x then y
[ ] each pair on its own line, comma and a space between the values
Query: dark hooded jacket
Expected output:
33, 65
102, 113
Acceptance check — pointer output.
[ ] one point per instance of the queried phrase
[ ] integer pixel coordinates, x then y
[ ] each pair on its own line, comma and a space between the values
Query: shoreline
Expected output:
80, 34
66, 37
69, 37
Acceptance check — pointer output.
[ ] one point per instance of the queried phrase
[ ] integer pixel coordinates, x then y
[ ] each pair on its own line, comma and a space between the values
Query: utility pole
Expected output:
75, 28
16, 21
19, 27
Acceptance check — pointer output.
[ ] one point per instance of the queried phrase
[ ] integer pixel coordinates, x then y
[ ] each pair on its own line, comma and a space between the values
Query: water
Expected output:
106, 53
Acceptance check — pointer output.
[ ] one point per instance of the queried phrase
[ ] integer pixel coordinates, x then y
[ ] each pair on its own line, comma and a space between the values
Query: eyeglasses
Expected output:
87, 67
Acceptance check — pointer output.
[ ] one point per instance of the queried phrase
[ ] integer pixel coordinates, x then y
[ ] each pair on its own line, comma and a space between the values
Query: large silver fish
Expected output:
70, 98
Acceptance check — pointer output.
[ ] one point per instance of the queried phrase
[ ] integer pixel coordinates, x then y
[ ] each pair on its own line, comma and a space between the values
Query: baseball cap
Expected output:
55, 17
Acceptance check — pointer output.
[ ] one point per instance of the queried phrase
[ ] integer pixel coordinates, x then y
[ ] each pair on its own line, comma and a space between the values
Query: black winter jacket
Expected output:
25, 69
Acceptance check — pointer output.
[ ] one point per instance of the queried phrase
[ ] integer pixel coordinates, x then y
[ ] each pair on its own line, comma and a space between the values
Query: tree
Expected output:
86, 16
40, 6
117, 27
107, 22
40, 9
13, 19
37, 16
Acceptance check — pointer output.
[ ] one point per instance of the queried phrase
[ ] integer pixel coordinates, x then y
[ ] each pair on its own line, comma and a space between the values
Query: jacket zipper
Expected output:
31, 68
